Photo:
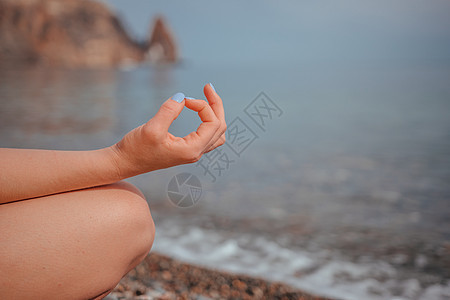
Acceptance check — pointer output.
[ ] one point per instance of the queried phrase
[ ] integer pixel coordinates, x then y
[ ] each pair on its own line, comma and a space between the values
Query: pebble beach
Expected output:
161, 277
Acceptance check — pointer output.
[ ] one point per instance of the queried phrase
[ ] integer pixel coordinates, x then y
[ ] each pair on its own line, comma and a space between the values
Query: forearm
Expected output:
26, 173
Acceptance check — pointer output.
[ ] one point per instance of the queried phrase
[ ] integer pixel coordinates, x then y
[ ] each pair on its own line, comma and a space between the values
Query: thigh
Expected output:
73, 245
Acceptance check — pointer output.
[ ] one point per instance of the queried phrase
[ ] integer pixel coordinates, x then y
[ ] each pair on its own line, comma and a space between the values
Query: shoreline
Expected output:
162, 277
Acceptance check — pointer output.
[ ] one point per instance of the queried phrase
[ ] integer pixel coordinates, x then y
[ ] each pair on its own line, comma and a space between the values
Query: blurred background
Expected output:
346, 194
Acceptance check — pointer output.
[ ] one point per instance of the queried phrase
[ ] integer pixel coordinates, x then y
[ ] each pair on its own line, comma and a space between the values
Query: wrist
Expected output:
117, 162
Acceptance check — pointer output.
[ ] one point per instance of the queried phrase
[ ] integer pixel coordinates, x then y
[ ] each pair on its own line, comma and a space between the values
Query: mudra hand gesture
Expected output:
151, 147
69, 227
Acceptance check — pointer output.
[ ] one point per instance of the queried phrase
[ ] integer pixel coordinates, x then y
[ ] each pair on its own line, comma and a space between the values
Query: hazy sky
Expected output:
246, 32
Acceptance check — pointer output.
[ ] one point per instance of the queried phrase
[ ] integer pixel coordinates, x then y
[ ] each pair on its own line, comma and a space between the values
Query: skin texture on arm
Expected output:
29, 173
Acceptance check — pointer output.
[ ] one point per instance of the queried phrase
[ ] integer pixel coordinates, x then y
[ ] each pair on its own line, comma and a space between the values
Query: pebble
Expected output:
161, 277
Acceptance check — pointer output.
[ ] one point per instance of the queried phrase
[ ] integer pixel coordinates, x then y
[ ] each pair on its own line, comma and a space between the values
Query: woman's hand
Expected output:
151, 147
146, 148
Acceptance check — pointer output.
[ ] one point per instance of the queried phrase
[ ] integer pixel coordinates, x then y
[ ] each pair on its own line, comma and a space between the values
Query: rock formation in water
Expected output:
161, 46
74, 33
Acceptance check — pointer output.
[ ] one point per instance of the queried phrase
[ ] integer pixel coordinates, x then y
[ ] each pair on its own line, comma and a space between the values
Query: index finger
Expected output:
209, 126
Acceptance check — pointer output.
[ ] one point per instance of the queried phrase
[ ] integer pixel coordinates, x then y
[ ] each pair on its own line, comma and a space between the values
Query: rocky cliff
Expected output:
69, 33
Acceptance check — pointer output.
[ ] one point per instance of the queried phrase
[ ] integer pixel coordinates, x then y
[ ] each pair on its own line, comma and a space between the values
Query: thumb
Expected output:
167, 113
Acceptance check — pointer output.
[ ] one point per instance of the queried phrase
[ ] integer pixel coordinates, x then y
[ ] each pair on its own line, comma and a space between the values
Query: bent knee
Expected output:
129, 215
80, 242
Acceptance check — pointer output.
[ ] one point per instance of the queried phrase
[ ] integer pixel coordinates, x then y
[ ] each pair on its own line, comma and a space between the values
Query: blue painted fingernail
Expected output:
179, 97
189, 98
211, 85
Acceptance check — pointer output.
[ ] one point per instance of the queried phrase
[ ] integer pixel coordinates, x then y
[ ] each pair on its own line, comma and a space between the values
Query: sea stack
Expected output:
161, 45
75, 34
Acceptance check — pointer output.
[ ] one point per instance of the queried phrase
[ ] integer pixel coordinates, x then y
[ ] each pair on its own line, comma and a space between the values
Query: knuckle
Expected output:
150, 133
223, 128
192, 156
196, 158
217, 123
219, 142
168, 108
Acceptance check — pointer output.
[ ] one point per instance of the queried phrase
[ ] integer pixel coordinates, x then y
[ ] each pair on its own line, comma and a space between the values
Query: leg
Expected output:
74, 245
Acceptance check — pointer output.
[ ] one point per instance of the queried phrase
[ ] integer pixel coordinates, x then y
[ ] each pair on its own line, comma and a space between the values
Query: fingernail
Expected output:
189, 98
179, 97
211, 85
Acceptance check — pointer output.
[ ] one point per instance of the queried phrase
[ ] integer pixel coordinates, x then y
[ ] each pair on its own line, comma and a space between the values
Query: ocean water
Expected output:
344, 192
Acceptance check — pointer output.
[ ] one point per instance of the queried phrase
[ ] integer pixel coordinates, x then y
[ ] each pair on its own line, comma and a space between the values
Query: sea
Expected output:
335, 177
